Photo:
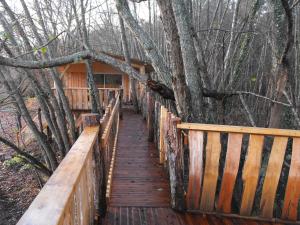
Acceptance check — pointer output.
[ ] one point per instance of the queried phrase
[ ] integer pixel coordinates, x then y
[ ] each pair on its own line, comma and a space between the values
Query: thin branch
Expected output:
138, 1
246, 108
29, 158
295, 4
223, 95
40, 47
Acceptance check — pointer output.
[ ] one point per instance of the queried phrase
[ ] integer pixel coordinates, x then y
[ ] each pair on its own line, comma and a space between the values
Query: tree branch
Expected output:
224, 95
138, 1
40, 47
29, 158
290, 35
295, 4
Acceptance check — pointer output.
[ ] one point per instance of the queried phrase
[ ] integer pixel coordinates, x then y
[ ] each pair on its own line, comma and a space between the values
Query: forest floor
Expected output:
17, 190
18, 186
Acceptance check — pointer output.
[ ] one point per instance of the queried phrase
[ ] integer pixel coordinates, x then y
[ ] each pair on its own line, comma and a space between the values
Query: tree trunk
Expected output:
128, 61
190, 61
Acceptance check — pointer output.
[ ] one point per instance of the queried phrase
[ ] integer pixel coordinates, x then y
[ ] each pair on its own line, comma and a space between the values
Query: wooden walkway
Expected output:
140, 187
138, 179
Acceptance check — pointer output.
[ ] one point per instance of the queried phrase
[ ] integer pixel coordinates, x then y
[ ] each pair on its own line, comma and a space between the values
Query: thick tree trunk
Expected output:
128, 61
190, 61
181, 91
283, 65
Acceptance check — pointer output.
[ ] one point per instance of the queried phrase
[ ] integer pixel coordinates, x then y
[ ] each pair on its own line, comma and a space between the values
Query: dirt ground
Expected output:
17, 187
17, 190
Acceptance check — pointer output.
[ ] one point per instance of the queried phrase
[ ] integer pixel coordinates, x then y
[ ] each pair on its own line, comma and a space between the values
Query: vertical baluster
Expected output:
196, 139
211, 171
272, 176
230, 172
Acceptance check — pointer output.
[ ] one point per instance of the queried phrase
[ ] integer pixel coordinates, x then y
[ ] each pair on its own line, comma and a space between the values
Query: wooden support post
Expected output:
88, 120
175, 163
150, 117
163, 112
40, 119
111, 95
120, 105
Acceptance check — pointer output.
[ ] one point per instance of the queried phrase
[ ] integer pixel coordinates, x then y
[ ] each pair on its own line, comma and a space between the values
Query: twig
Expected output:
264, 97
246, 108
223, 95
40, 47
295, 4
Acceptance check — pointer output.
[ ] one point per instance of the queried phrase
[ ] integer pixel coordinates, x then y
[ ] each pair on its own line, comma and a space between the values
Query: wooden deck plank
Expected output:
139, 180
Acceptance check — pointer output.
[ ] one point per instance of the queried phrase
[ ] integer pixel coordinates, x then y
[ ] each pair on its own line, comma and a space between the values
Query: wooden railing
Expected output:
244, 149
231, 171
76, 192
79, 98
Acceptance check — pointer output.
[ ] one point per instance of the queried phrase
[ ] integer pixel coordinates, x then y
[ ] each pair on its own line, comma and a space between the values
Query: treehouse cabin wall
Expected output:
74, 78
106, 76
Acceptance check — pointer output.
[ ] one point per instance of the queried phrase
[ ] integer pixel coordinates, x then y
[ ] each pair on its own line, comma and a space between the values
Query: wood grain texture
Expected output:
240, 129
230, 172
79, 98
292, 192
196, 139
53, 202
211, 171
138, 178
163, 116
272, 176
251, 173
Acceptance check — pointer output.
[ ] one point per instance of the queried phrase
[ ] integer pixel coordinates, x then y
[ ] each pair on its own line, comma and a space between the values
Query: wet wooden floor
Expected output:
138, 179
140, 187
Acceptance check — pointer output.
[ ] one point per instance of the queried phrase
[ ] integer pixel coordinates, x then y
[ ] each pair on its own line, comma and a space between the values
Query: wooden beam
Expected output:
239, 129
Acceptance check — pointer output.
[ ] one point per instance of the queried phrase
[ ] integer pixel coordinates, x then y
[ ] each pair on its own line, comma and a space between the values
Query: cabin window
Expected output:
108, 80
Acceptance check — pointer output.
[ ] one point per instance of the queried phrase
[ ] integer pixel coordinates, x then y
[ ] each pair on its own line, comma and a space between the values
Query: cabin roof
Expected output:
148, 67
136, 63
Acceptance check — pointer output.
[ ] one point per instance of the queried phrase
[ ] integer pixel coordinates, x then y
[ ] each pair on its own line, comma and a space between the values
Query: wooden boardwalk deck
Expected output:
140, 187
138, 179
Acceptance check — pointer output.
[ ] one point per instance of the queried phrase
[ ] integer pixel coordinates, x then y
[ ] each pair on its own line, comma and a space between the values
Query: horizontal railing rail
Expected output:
79, 98
240, 129
76, 192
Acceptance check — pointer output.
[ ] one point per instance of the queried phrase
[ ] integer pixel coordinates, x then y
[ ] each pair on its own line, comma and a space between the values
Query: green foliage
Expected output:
14, 162
253, 78
44, 50
26, 167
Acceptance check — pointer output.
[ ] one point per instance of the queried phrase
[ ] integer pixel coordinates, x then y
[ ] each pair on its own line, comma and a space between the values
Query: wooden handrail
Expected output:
107, 130
78, 188
85, 88
239, 129
52, 205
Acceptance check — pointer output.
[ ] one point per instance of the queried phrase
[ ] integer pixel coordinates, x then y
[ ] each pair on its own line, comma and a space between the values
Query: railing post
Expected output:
93, 119
175, 163
120, 105
150, 117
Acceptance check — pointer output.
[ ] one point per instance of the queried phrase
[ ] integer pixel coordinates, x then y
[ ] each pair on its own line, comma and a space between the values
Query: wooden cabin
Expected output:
107, 78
